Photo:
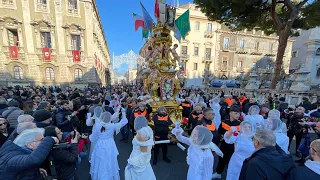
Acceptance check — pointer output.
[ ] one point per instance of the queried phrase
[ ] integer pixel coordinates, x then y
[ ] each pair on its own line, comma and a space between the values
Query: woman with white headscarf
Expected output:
254, 117
95, 122
138, 166
104, 163
275, 125
275, 114
214, 104
200, 158
243, 147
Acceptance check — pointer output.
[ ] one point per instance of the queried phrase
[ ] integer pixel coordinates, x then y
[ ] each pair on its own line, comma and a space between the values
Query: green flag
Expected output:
183, 24
145, 33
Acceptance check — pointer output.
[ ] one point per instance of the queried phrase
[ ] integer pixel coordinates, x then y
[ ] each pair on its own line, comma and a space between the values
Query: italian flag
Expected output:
138, 21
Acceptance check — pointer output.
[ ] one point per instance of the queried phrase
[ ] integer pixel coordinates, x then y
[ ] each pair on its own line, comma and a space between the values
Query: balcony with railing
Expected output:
7, 2
6, 51
207, 59
224, 68
184, 57
208, 34
242, 50
240, 69
40, 53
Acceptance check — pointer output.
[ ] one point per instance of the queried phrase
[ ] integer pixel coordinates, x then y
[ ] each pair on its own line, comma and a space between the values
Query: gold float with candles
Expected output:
163, 75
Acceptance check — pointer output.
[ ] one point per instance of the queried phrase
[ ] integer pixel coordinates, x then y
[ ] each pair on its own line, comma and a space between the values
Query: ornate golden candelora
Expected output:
162, 76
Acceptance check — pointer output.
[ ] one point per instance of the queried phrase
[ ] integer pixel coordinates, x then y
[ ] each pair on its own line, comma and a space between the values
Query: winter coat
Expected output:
62, 120
65, 162
268, 163
20, 163
305, 172
13, 116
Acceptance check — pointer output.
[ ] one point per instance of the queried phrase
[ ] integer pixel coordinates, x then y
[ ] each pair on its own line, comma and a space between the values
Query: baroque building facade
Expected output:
52, 42
210, 48
306, 52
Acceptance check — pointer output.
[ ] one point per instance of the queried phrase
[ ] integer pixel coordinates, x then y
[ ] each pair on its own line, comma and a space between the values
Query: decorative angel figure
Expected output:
156, 51
174, 52
180, 75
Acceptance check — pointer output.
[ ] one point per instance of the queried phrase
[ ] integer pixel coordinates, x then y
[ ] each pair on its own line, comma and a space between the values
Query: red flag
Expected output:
14, 52
76, 55
156, 9
46, 54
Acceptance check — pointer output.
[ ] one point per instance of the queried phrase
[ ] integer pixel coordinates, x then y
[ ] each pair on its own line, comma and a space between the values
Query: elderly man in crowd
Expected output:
22, 158
22, 119
268, 162
311, 169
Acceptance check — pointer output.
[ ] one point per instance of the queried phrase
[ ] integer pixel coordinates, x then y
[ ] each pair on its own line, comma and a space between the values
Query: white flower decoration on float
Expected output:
158, 61
151, 59
157, 99
164, 98
165, 68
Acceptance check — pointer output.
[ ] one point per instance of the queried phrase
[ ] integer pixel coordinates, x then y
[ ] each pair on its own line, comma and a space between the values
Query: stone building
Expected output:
212, 47
306, 51
131, 76
52, 42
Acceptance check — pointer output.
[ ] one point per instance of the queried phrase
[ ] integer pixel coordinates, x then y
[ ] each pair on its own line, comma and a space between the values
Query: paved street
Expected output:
176, 170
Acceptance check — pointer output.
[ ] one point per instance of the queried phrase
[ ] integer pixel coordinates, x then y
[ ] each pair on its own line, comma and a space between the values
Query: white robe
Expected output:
244, 147
140, 161
104, 162
257, 120
282, 140
200, 161
217, 117
95, 129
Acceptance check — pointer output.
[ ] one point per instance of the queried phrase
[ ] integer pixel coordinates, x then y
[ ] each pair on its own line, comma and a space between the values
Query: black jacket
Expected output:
62, 120
268, 163
161, 124
302, 173
187, 109
65, 162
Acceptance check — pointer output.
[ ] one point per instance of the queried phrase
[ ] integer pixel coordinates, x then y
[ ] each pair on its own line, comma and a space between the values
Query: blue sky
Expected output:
116, 17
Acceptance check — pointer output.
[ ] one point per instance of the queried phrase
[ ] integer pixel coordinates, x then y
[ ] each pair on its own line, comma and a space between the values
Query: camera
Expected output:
61, 146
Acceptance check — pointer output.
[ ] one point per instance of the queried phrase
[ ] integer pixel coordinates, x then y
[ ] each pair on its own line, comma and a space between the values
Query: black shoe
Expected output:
166, 159
155, 161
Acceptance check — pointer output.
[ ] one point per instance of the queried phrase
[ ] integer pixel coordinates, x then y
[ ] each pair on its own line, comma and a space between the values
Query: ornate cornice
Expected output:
38, 22
6, 18
78, 26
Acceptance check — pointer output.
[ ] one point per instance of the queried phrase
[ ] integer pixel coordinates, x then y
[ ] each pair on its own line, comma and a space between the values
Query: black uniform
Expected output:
187, 109
211, 126
227, 149
161, 127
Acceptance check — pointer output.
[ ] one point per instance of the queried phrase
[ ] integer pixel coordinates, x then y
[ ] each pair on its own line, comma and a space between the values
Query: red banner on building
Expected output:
13, 52
76, 55
46, 54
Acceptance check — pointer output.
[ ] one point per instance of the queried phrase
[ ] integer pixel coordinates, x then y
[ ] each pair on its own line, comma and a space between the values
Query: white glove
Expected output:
233, 129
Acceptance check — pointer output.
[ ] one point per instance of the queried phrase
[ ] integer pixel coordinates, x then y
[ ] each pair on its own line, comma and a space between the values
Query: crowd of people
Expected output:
45, 133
